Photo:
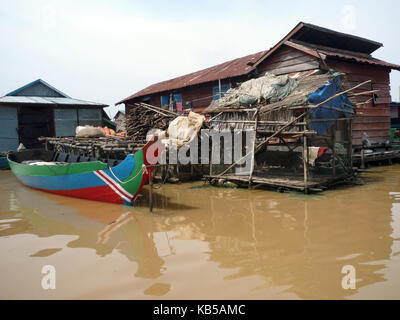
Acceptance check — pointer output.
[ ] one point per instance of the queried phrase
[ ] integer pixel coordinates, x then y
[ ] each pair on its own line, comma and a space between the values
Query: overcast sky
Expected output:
105, 51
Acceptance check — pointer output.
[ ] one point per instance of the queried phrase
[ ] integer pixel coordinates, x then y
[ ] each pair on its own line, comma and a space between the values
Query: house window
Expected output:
176, 99
146, 99
224, 88
178, 102
164, 102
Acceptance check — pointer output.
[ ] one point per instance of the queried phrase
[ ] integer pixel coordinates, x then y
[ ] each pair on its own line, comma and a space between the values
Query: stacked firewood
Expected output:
144, 117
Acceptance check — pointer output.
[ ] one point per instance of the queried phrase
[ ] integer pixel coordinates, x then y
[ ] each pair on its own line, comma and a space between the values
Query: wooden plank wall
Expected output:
372, 118
287, 60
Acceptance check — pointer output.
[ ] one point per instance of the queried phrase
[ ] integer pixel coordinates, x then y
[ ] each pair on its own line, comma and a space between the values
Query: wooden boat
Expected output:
4, 162
83, 177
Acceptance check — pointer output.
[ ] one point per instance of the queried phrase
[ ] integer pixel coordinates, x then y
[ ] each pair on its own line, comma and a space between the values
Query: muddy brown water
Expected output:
204, 243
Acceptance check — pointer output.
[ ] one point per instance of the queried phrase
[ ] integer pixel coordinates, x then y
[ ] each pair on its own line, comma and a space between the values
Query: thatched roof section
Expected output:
299, 96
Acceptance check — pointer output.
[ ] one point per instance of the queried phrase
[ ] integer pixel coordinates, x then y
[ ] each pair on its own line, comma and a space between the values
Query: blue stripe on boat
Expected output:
80, 180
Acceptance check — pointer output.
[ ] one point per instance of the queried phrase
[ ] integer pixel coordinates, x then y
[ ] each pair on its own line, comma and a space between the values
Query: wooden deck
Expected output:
291, 183
376, 156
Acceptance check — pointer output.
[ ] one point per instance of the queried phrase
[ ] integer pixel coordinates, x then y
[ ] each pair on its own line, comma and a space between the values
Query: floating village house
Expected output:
307, 48
299, 144
38, 109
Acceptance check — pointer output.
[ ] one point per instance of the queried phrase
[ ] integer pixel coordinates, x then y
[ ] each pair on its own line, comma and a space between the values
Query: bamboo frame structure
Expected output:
296, 128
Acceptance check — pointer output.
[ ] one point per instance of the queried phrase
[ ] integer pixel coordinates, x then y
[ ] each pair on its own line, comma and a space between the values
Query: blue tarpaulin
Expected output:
331, 88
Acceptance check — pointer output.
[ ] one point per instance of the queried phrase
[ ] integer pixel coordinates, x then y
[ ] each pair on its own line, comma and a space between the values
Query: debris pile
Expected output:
145, 117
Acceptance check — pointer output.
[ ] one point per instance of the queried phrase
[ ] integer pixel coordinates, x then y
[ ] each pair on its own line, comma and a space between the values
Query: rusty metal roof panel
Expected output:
315, 35
324, 52
371, 60
229, 69
322, 36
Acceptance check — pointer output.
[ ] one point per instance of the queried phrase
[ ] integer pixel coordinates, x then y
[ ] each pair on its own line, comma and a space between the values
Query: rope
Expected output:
144, 169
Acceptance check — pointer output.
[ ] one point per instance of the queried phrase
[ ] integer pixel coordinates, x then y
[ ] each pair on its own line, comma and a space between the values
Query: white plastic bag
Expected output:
155, 132
88, 132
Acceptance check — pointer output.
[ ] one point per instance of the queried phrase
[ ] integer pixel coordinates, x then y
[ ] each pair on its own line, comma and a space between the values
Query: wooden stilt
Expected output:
351, 143
254, 149
305, 161
362, 159
333, 136
152, 172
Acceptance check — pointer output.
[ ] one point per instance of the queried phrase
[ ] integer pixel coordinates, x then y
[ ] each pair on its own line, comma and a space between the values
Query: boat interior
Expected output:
59, 157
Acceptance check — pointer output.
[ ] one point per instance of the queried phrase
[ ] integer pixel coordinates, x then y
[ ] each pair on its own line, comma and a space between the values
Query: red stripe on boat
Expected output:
115, 184
102, 193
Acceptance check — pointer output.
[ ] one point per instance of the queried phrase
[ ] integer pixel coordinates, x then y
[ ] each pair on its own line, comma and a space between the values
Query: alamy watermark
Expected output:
49, 278
349, 280
209, 146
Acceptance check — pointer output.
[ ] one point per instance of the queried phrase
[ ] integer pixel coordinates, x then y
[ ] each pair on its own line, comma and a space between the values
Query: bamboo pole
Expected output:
362, 93
365, 102
305, 163
254, 146
157, 108
259, 122
336, 109
151, 109
305, 158
215, 117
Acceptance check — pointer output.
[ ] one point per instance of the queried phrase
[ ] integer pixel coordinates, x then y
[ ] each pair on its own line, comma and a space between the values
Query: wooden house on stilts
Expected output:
302, 142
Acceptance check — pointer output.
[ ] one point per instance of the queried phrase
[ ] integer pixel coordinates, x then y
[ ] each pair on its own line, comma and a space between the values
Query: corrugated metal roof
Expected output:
322, 36
229, 69
346, 46
315, 35
322, 52
48, 101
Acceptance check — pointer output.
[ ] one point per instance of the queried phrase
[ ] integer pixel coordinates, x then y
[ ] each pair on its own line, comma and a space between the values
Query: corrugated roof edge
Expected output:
38, 81
146, 91
18, 100
348, 35
322, 52
298, 27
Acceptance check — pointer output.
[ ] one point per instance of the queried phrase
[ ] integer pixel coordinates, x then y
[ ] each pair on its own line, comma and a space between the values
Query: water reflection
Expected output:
46, 215
296, 243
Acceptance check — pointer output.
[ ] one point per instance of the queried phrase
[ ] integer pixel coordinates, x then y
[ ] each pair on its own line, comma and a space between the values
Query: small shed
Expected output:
38, 109
119, 120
